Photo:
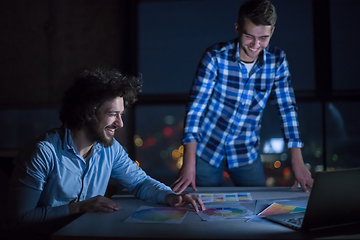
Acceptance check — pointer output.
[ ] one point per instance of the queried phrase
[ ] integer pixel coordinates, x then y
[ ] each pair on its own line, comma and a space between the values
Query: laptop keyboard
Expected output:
297, 220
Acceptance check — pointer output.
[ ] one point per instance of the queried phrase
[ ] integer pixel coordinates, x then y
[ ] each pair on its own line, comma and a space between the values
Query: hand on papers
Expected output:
182, 200
94, 204
302, 174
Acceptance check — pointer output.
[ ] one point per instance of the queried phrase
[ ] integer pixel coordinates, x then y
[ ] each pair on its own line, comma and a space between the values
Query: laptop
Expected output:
334, 201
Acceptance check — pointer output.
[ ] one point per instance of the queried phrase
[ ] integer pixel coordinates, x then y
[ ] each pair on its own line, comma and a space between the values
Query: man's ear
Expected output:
272, 31
237, 29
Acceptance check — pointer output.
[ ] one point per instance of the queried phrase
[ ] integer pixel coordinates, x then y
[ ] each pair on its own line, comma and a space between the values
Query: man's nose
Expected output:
118, 121
256, 43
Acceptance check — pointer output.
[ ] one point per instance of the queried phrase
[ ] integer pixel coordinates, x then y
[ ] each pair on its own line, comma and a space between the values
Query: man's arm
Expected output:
302, 174
288, 111
23, 209
29, 175
132, 177
199, 97
95, 204
32, 171
188, 170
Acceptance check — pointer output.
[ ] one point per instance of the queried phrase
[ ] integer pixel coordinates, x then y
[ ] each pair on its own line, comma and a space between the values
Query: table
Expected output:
112, 225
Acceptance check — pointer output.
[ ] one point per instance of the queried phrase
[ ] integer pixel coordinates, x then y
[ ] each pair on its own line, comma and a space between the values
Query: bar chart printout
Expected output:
224, 197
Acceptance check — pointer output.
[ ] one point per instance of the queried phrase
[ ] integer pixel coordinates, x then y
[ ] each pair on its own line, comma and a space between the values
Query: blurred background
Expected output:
44, 43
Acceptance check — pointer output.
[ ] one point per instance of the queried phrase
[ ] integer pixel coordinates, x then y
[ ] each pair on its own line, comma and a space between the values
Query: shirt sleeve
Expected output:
23, 208
28, 178
286, 103
200, 94
137, 181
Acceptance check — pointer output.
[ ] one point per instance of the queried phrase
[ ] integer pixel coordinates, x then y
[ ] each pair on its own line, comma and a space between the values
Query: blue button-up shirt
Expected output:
54, 168
227, 102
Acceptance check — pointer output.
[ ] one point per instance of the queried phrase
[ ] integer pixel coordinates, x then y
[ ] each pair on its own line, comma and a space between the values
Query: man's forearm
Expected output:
296, 155
190, 153
23, 208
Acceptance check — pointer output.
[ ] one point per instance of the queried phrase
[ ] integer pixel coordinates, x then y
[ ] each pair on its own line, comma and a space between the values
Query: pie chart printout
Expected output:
220, 213
158, 215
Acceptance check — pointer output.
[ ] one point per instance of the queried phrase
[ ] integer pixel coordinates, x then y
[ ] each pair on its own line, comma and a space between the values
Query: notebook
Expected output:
334, 201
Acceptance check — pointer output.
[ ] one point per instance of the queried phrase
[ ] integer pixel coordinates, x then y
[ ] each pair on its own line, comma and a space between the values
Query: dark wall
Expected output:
44, 43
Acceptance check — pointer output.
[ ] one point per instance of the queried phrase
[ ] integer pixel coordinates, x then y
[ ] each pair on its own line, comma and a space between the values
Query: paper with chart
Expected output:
146, 214
276, 208
224, 197
268, 207
222, 211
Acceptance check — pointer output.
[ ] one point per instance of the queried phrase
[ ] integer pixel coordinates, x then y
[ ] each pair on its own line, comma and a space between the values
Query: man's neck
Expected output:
81, 142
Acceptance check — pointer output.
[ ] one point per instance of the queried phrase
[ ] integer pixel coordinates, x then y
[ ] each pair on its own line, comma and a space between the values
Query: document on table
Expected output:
271, 206
300, 202
276, 208
224, 211
224, 197
146, 214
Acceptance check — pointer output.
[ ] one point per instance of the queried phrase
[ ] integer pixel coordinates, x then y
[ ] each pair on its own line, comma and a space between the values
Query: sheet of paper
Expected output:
224, 197
222, 212
296, 202
261, 205
146, 214
276, 208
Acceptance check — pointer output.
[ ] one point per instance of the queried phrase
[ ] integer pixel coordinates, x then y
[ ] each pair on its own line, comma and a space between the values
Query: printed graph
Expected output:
158, 215
221, 212
224, 197
276, 208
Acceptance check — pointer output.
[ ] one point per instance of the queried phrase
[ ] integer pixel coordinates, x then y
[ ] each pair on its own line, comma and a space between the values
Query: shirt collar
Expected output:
68, 143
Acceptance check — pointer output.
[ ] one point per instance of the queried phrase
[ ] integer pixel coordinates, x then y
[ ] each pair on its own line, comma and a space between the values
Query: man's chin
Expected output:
108, 143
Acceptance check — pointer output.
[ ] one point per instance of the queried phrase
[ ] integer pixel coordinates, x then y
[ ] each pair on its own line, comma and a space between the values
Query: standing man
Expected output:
66, 170
232, 85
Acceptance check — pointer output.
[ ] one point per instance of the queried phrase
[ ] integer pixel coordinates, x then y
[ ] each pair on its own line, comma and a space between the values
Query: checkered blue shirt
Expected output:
225, 108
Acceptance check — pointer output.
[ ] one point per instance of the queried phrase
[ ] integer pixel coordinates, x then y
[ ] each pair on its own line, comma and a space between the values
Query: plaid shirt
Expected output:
225, 108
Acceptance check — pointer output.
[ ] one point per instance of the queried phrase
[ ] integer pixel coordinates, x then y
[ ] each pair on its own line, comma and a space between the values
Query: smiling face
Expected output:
253, 39
109, 119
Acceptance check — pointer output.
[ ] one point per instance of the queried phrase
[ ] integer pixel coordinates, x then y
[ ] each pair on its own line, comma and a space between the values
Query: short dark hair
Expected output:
90, 89
259, 12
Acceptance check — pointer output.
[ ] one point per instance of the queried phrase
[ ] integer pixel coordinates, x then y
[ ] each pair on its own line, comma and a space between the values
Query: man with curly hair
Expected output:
66, 170
232, 85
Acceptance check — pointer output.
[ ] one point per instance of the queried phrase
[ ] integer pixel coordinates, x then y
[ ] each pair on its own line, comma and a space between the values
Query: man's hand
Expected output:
186, 177
188, 170
181, 200
94, 204
302, 174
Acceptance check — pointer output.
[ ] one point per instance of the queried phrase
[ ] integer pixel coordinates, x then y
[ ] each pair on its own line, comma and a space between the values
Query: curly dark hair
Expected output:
90, 89
260, 12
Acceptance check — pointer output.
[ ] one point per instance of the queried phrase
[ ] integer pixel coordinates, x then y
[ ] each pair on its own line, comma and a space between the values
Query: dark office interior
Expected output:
44, 43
